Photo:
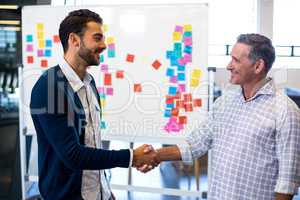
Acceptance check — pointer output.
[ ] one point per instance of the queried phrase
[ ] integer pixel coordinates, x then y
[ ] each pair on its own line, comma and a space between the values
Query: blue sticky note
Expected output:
170, 106
48, 43
101, 58
172, 90
111, 53
169, 54
170, 72
181, 77
174, 62
102, 96
177, 46
187, 34
167, 113
29, 38
181, 68
48, 53
187, 49
103, 125
178, 54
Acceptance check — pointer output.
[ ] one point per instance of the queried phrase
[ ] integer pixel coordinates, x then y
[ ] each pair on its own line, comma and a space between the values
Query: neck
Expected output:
78, 66
250, 89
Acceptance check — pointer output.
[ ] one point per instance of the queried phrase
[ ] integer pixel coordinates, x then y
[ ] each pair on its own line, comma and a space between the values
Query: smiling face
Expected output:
92, 44
243, 70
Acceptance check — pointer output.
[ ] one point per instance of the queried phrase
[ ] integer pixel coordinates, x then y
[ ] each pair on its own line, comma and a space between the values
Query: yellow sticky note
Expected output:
105, 28
110, 40
194, 82
40, 26
40, 35
196, 73
103, 103
41, 43
187, 27
177, 36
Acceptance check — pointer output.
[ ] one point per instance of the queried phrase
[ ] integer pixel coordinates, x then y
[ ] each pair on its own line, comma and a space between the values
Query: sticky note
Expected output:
173, 79
40, 26
196, 73
130, 58
104, 68
188, 107
137, 87
107, 79
41, 44
187, 97
182, 119
174, 62
179, 104
170, 106
177, 36
187, 34
48, 43
188, 41
110, 40
103, 125
169, 54
103, 102
173, 120
29, 38
40, 52
111, 53
187, 27
181, 76
178, 29
40, 35
187, 58
169, 100
167, 113
156, 64
29, 48
181, 68
100, 90
120, 74
172, 90
181, 87
29, 59
56, 39
177, 46
44, 63
181, 62
175, 112
105, 27
187, 49
101, 58
102, 95
111, 46
48, 53
194, 82
170, 72
109, 91
197, 102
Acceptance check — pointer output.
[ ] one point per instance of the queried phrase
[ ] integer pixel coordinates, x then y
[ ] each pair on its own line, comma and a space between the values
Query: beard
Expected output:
88, 55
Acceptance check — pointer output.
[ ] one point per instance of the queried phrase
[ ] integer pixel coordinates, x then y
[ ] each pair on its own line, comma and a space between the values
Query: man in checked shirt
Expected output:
253, 132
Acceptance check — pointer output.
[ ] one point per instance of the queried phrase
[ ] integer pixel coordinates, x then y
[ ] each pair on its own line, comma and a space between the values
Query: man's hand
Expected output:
145, 155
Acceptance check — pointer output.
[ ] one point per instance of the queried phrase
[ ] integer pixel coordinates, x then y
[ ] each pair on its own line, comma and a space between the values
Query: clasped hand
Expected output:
145, 158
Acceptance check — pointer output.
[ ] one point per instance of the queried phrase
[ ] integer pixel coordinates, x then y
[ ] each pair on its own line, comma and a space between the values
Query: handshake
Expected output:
145, 158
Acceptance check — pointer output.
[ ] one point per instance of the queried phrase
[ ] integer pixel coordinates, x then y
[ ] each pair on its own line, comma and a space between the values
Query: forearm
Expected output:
280, 196
169, 153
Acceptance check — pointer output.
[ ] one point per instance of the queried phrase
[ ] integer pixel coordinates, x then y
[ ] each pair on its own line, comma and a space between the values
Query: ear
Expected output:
74, 40
259, 66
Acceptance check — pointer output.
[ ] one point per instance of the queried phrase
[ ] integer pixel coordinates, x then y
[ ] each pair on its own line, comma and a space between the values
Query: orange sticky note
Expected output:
44, 63
56, 39
188, 107
29, 59
187, 97
107, 79
120, 74
175, 112
169, 100
197, 102
130, 58
182, 120
137, 88
179, 104
156, 64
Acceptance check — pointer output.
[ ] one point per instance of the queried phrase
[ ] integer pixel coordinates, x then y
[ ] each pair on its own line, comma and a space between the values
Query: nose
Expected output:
102, 46
229, 65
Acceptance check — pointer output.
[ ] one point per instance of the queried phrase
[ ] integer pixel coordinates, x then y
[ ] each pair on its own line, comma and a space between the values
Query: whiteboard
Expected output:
139, 64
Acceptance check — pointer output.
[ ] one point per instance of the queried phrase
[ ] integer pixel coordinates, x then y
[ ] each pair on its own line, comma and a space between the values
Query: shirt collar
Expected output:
267, 89
74, 80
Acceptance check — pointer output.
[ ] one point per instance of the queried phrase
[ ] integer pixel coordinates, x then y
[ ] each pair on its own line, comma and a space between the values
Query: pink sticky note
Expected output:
187, 58
100, 90
29, 48
173, 79
188, 41
40, 53
181, 61
109, 91
173, 120
181, 87
111, 46
104, 68
178, 29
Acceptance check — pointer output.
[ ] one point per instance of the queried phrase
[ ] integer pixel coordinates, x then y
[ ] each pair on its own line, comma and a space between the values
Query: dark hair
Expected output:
76, 22
261, 48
